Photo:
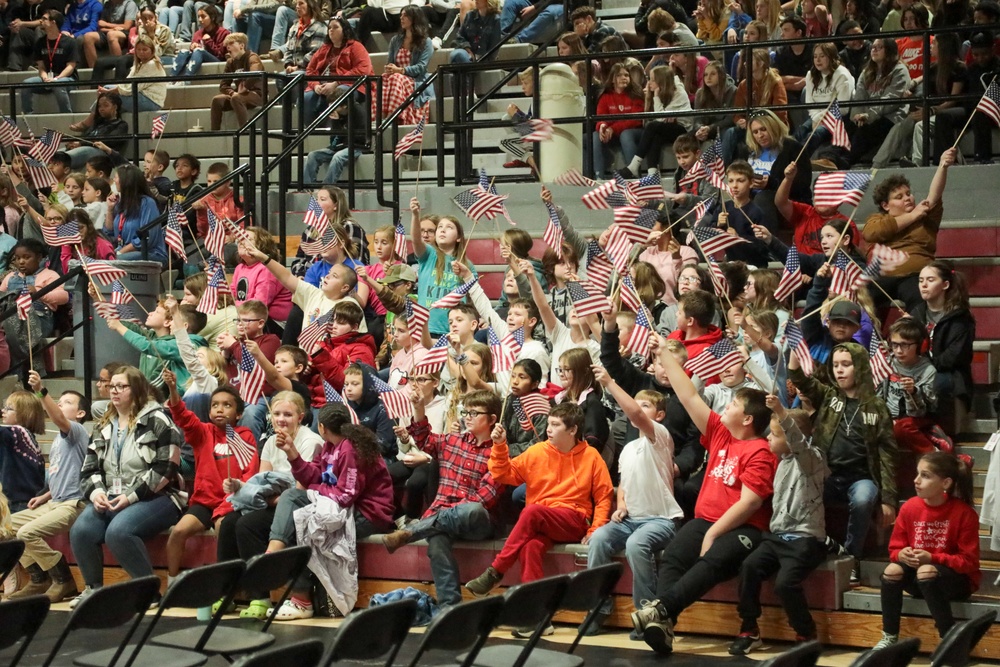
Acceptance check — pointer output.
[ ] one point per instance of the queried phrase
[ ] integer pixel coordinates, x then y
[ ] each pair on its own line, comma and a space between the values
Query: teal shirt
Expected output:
429, 289
159, 351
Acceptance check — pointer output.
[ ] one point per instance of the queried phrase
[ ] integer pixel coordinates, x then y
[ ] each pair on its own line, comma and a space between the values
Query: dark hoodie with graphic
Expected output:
867, 415
372, 415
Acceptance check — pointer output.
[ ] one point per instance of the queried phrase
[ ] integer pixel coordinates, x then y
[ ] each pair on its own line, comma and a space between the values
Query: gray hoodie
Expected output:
798, 487
923, 402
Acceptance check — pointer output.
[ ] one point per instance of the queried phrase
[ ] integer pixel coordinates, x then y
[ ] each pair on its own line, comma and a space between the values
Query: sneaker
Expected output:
907, 163
527, 632
745, 642
396, 539
436, 41
626, 173
87, 592
659, 636
648, 614
293, 611
856, 573
516, 164
886, 641
834, 547
485, 582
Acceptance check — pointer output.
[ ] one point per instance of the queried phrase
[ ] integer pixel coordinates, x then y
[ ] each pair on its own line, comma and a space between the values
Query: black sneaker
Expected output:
659, 636
744, 643
596, 624
626, 173
907, 163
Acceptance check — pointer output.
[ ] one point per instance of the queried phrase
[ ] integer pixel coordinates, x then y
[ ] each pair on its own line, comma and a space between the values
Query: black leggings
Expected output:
417, 487
244, 536
938, 593
655, 135
868, 137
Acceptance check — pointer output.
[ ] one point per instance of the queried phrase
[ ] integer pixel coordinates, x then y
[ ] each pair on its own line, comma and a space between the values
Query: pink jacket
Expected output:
257, 283
104, 251
669, 268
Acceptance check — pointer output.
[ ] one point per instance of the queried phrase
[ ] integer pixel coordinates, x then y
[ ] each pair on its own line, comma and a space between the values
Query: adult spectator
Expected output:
664, 92
884, 78
207, 45
479, 33
542, 27
768, 91
340, 55
237, 95
135, 209
621, 96
381, 16
793, 61
56, 56
591, 29
26, 30
677, 13
409, 53
769, 151
903, 224
128, 478
985, 66
263, 18
305, 37
117, 18
856, 51
147, 26
716, 93
81, 17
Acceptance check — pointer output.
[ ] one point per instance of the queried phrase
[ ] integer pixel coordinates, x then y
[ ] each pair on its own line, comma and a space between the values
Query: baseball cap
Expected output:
398, 272
846, 310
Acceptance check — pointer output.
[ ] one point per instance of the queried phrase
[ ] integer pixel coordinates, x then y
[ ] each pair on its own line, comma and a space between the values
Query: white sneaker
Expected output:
292, 611
87, 591
436, 41
886, 641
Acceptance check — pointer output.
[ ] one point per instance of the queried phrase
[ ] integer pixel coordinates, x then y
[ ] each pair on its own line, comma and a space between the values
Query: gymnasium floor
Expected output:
612, 649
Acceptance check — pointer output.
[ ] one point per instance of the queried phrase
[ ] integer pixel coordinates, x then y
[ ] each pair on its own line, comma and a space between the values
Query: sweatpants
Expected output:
536, 530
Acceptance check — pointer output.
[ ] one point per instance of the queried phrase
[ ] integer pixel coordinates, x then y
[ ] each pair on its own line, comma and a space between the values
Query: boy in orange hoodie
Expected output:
568, 494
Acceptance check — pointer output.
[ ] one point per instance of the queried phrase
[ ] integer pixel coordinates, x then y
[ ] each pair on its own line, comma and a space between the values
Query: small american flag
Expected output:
455, 297
719, 282
159, 124
834, 188
67, 233
553, 236
46, 146
117, 311
23, 303
618, 249
410, 139
597, 198
174, 237
486, 186
599, 266
883, 260
574, 177
630, 297
709, 165
239, 449
881, 368
435, 358
399, 240
215, 239
476, 203
326, 241
511, 345
990, 104
251, 377
638, 340
539, 129
315, 332
332, 397
796, 344
101, 271
833, 121
119, 294
712, 240
416, 319
39, 173
637, 229
209, 302
844, 275
647, 188
9, 131
713, 360
529, 406
791, 276
585, 303
397, 405
240, 235
702, 209
315, 217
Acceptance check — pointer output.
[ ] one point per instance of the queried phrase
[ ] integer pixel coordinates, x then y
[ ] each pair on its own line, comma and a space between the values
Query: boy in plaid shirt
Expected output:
466, 491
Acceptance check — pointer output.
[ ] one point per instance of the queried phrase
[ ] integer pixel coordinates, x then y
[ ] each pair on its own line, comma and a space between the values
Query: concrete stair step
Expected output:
863, 599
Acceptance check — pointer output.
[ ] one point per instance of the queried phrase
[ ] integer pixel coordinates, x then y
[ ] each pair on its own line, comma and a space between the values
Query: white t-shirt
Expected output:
307, 442
314, 303
562, 340
647, 476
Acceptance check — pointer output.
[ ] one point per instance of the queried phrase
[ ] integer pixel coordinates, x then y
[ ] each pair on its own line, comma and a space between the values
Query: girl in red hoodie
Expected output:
215, 460
934, 546
621, 95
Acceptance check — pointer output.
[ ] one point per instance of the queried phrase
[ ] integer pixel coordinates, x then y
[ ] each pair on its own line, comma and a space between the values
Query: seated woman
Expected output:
409, 53
146, 26
305, 37
340, 55
135, 209
104, 126
570, 44
828, 80
769, 152
883, 78
621, 95
768, 91
128, 478
664, 92
206, 45
479, 33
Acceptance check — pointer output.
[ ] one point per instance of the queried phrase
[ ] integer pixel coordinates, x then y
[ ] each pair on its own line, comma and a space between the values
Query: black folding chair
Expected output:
372, 633
465, 626
803, 655
200, 587
10, 553
20, 620
266, 572
588, 589
300, 654
531, 604
956, 646
111, 607
898, 655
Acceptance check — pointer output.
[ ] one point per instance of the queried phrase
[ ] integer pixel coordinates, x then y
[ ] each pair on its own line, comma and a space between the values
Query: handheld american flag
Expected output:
332, 397
399, 240
454, 298
46, 146
881, 368
713, 360
173, 236
240, 235
844, 275
599, 266
647, 188
796, 344
834, 188
23, 303
712, 240
315, 217
117, 311
101, 271
215, 239
629, 295
476, 203
39, 173
159, 124
251, 377
529, 406
833, 121
119, 294
637, 226
702, 208
410, 139
585, 303
397, 405
638, 340
883, 260
791, 276
239, 448
710, 166
416, 319
597, 198
319, 329
574, 177
541, 130
435, 358
326, 240
67, 233
553, 236
719, 282
9, 131
209, 302
618, 248
990, 103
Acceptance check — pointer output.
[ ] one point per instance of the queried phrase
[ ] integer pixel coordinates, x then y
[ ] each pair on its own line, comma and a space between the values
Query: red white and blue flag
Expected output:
319, 329
597, 198
702, 208
795, 343
251, 377
315, 217
719, 282
10, 133
529, 406
638, 340
844, 275
332, 396
410, 139
117, 311
599, 267
454, 298
435, 358
647, 188
709, 165
23, 303
618, 248
833, 121
159, 124
46, 146
39, 173
585, 303
326, 240
629, 295
881, 368
990, 104
397, 405
883, 260
215, 239
574, 177
399, 240
216, 287
714, 359
119, 294
173, 236
791, 276
67, 233
239, 448
553, 236
834, 188
712, 240
416, 319
101, 271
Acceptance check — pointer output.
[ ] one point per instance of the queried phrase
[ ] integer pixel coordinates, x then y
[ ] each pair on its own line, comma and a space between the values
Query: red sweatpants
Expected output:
910, 436
536, 530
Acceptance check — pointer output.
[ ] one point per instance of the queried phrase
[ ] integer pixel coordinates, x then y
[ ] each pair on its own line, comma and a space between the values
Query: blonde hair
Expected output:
292, 397
215, 364
237, 37
141, 390
771, 77
29, 411
390, 233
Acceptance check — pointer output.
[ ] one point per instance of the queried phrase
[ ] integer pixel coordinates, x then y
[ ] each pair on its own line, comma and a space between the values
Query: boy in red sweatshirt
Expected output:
568, 496
695, 312
344, 346
215, 460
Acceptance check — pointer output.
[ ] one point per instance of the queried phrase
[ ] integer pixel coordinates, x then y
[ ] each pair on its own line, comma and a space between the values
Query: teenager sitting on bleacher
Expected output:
117, 18
479, 33
305, 37
410, 52
237, 95
56, 57
207, 45
146, 26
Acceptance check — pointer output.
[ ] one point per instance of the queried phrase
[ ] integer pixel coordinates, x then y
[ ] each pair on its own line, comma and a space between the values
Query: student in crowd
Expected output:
687, 151
621, 95
22, 475
581, 387
207, 45
56, 57
884, 78
253, 282
435, 277
664, 92
237, 95
740, 214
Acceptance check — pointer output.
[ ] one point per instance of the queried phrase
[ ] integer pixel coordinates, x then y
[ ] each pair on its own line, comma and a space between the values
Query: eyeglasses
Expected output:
901, 346
471, 413
7, 408
103, 381
115, 388
564, 371
256, 319
757, 113
688, 279
57, 218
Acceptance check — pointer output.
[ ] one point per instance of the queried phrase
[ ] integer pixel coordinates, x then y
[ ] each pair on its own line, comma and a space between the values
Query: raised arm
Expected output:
277, 269
940, 180
685, 389
419, 247
51, 408
548, 316
627, 403
782, 197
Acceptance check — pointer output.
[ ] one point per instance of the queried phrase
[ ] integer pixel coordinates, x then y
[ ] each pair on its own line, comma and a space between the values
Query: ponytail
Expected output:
947, 465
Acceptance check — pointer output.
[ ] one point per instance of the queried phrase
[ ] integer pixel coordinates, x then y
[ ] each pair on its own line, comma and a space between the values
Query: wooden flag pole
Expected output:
815, 127
969, 119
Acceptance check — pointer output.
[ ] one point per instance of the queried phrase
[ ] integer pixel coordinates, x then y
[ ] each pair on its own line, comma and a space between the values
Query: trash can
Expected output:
143, 280
561, 96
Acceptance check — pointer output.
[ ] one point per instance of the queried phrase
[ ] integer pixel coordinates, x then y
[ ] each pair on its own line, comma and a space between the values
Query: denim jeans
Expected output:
731, 141
459, 56
283, 526
145, 104
275, 26
861, 497
124, 532
336, 158
229, 21
312, 104
189, 63
188, 14
642, 539
467, 521
61, 94
171, 17
81, 154
629, 142
545, 24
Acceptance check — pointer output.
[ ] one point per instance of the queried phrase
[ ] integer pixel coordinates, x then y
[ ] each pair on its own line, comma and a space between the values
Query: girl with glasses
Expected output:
22, 475
581, 387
